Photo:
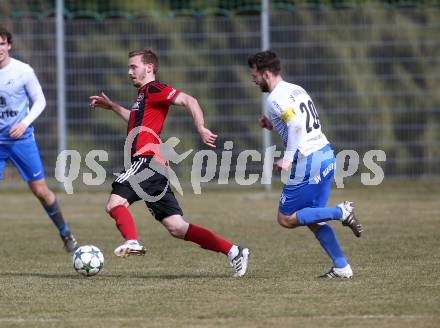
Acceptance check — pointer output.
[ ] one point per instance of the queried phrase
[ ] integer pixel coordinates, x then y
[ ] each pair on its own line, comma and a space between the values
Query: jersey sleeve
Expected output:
284, 112
286, 116
292, 143
165, 96
35, 92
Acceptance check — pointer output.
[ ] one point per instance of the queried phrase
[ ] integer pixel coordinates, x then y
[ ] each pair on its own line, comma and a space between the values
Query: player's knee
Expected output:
176, 227
282, 221
177, 231
43, 194
109, 207
112, 204
287, 221
40, 194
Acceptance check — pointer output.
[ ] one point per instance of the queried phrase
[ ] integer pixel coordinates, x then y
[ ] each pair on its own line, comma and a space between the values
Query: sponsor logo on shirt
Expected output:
138, 102
8, 114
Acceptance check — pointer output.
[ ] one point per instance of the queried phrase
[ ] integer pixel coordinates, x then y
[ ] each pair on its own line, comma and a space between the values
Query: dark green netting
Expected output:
102, 9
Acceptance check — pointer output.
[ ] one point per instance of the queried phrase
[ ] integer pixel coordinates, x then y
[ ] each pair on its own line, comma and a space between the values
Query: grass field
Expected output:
396, 265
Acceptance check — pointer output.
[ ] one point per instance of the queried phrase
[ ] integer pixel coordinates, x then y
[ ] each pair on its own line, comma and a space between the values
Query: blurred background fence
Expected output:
372, 68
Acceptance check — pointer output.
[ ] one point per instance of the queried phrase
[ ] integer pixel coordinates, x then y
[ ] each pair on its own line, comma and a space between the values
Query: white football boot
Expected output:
240, 262
130, 247
345, 273
349, 219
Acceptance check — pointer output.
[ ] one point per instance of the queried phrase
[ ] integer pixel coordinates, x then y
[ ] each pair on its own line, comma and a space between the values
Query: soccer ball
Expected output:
88, 260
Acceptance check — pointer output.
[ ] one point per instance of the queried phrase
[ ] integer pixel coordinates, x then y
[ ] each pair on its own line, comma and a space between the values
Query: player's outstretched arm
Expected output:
104, 101
192, 106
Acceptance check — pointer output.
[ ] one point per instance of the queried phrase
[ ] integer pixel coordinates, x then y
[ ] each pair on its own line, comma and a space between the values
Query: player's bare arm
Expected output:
192, 106
264, 122
103, 101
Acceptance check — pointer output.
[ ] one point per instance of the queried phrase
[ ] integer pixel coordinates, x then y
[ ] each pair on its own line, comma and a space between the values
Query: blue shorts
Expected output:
310, 181
25, 157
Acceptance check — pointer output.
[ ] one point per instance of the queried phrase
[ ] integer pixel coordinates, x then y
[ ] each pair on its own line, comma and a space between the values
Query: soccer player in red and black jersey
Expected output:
145, 120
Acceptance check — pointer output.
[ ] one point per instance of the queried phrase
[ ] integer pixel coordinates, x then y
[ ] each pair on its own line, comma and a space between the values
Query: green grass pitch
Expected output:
396, 265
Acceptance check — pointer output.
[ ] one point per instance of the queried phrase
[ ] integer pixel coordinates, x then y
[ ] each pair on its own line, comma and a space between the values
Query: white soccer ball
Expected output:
88, 260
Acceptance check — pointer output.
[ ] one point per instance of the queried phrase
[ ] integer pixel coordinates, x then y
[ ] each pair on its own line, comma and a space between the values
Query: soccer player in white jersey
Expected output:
18, 85
309, 158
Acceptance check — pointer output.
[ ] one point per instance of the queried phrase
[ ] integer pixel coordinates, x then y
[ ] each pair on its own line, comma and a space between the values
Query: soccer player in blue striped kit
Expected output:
18, 85
308, 157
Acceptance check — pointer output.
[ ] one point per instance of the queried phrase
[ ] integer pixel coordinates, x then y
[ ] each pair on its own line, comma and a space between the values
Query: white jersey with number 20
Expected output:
294, 116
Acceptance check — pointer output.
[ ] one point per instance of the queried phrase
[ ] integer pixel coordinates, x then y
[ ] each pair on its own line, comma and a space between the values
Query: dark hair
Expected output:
265, 61
148, 57
6, 34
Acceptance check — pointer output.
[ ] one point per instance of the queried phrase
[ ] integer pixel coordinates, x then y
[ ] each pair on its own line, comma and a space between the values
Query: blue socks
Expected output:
328, 241
56, 216
310, 215
325, 233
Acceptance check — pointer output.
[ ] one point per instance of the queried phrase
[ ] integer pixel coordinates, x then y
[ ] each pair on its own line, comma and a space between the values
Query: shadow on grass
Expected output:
179, 276
119, 276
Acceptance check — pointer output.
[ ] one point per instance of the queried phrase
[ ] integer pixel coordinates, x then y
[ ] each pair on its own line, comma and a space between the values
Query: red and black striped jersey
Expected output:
147, 116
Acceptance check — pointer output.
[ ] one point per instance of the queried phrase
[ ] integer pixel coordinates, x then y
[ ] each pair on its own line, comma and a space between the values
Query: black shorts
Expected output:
153, 188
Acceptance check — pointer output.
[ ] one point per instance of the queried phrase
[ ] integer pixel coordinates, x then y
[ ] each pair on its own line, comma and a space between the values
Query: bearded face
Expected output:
258, 79
137, 71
